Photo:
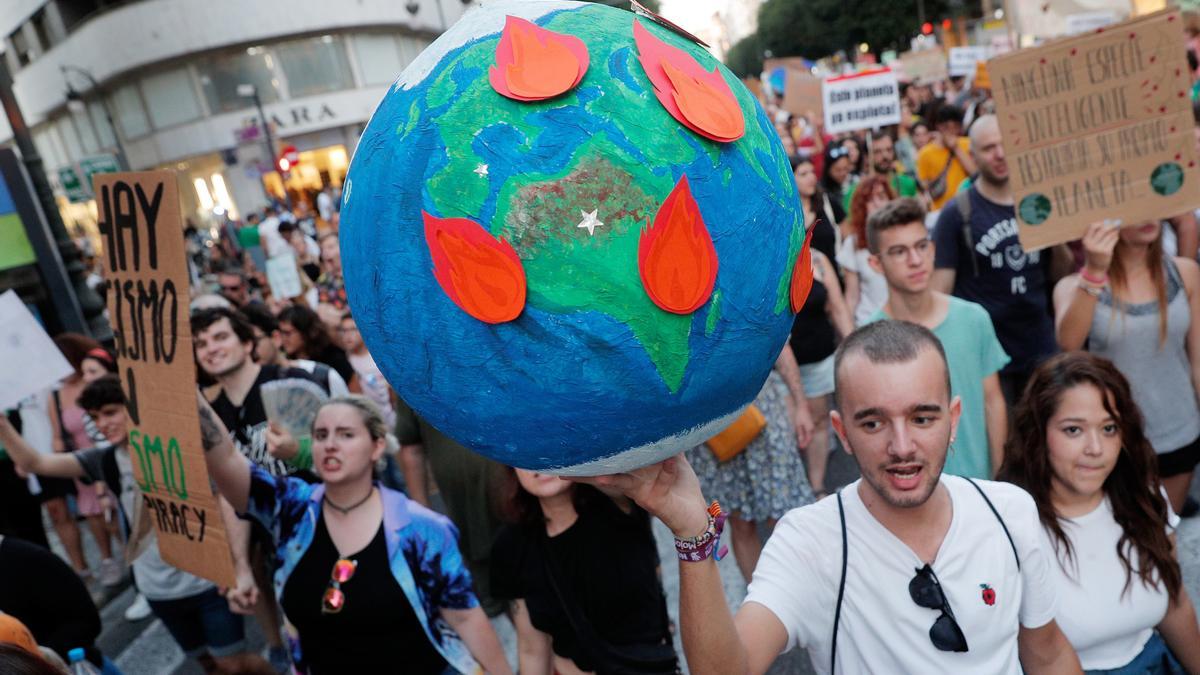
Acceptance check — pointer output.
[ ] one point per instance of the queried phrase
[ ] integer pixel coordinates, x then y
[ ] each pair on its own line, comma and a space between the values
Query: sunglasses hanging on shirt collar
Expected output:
926, 591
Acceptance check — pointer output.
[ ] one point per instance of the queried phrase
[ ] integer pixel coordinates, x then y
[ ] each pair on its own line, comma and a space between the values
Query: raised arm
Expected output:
226, 466
58, 465
1074, 307
713, 641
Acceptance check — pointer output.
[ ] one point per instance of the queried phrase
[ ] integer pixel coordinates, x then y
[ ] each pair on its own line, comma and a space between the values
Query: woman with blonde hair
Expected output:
371, 581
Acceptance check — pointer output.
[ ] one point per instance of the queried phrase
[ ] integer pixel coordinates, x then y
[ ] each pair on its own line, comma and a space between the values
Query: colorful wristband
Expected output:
1083, 274
708, 543
303, 458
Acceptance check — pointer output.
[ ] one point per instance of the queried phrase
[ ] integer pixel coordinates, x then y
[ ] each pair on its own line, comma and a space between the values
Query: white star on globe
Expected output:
481, 170
590, 221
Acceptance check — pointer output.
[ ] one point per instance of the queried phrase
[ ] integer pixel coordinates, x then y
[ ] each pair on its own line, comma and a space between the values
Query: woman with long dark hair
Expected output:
1140, 308
577, 606
1080, 449
306, 336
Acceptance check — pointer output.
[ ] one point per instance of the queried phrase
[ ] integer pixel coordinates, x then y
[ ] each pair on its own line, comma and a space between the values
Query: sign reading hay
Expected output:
145, 260
1098, 126
867, 100
570, 238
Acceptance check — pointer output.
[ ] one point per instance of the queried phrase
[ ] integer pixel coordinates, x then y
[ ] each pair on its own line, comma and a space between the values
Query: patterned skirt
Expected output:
767, 479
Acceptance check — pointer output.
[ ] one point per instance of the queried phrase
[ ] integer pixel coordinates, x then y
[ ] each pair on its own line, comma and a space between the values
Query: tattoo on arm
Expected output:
211, 431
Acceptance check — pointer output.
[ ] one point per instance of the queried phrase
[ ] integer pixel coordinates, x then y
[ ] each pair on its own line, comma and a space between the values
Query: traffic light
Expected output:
926, 28
947, 24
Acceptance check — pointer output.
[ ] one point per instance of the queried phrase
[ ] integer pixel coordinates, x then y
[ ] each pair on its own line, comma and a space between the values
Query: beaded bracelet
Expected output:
708, 543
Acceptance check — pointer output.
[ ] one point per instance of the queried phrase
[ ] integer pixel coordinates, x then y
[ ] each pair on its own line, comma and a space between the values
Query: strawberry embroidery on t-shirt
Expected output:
989, 595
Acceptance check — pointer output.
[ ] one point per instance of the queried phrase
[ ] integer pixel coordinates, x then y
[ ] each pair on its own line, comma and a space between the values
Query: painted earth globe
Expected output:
571, 239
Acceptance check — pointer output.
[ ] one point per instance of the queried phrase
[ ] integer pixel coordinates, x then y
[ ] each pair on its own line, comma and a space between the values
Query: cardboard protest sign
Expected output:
40, 366
145, 260
802, 94
283, 276
926, 66
1098, 126
963, 59
866, 100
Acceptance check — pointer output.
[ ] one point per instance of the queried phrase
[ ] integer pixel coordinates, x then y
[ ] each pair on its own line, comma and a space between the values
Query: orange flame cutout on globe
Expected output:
676, 258
480, 273
534, 64
802, 275
700, 100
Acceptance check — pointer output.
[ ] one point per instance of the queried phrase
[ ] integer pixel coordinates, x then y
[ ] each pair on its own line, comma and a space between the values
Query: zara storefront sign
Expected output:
285, 121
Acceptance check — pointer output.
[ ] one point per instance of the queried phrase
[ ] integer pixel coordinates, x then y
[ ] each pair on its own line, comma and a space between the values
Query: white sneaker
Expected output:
140, 609
111, 572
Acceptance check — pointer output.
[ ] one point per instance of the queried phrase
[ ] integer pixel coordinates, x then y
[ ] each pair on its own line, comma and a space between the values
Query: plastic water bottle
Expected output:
79, 664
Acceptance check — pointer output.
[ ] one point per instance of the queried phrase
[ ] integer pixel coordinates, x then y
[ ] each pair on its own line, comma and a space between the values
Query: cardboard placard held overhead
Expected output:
866, 100
802, 95
926, 66
145, 260
963, 59
1098, 126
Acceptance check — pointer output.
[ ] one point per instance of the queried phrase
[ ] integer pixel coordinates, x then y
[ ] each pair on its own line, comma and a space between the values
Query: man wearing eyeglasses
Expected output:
903, 571
902, 252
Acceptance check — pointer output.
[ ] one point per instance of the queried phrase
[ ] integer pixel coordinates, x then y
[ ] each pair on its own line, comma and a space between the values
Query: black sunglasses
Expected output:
926, 591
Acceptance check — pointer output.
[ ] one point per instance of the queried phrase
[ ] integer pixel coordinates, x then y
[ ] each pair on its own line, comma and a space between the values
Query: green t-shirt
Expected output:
904, 185
248, 236
973, 353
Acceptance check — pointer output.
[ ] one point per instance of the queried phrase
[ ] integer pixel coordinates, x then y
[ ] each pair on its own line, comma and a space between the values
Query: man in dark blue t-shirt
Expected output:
985, 263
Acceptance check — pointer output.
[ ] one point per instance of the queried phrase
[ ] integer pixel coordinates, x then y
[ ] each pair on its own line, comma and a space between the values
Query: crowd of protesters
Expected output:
1026, 426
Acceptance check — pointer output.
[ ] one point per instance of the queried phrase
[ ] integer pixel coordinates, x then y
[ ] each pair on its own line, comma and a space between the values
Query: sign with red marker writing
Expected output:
146, 262
1098, 126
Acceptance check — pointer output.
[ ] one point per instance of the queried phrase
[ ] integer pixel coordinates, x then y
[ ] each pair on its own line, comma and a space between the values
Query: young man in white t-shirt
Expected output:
931, 582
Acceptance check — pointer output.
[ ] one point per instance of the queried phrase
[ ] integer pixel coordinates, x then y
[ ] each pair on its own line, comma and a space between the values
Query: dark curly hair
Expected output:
104, 391
312, 329
1132, 487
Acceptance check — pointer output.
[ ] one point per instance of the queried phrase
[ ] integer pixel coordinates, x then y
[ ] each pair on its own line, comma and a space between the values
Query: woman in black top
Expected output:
823, 213
305, 336
581, 572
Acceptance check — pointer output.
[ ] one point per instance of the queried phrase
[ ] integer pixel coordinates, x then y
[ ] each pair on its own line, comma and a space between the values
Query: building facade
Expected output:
177, 78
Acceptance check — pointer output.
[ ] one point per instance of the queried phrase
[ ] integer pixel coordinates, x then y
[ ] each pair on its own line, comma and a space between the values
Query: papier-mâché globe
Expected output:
568, 237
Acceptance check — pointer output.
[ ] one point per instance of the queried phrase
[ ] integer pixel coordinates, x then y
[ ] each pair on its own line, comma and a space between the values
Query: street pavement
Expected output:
145, 647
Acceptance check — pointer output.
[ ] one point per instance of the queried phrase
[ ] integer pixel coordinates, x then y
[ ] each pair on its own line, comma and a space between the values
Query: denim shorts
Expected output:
202, 623
1155, 659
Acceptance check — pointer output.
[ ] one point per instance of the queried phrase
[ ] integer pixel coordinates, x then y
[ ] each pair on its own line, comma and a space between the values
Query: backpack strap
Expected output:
962, 201
998, 518
837, 615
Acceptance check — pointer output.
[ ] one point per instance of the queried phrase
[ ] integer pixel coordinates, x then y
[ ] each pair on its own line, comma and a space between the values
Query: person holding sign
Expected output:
905, 571
979, 258
192, 609
943, 164
1081, 451
371, 581
1140, 309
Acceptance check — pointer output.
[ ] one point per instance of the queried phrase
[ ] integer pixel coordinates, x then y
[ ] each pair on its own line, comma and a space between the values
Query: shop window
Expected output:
170, 98
87, 133
315, 65
221, 75
410, 47
21, 47
66, 132
127, 108
42, 29
378, 58
100, 121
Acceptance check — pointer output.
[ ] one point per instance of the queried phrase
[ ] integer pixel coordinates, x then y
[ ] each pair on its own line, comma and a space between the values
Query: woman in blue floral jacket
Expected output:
369, 581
